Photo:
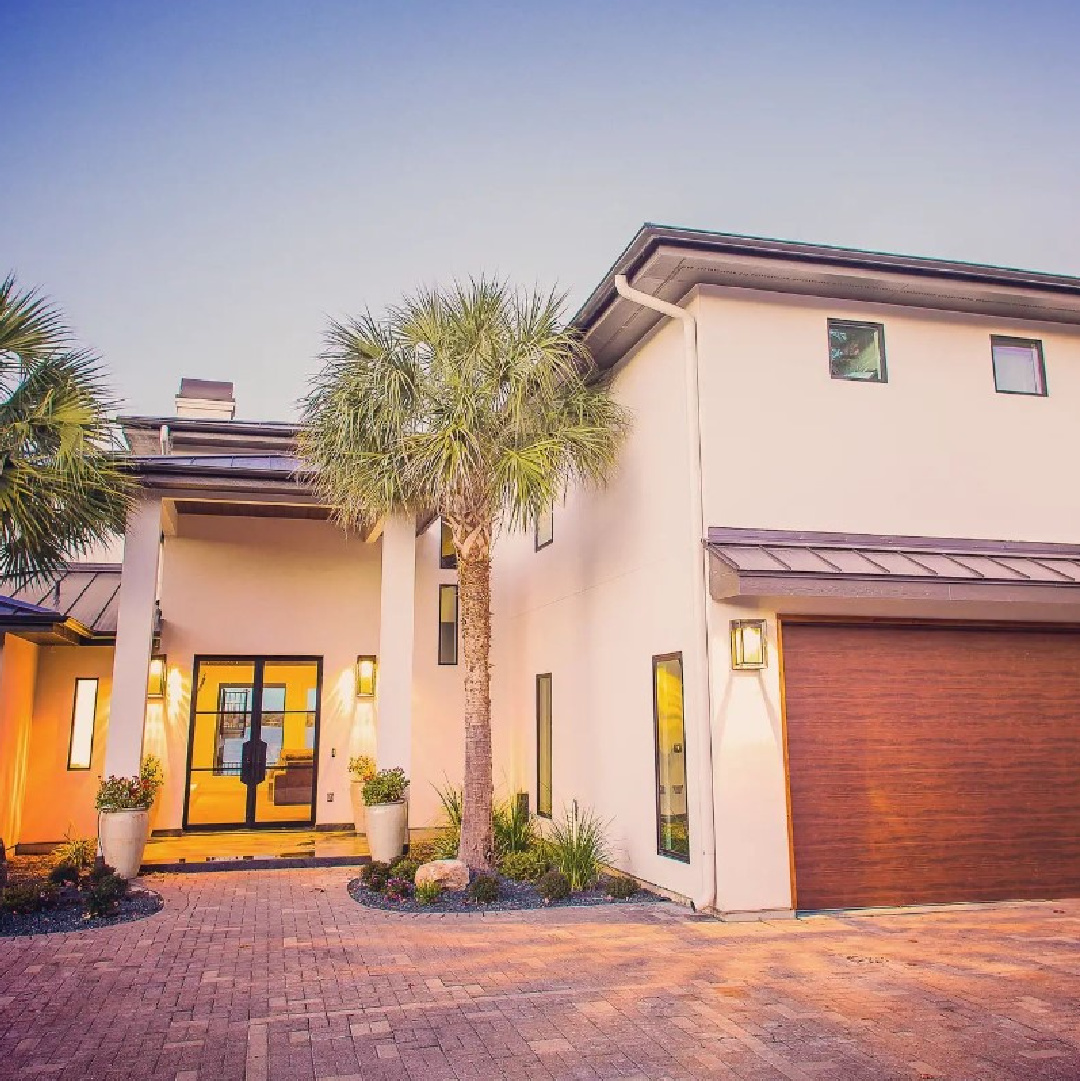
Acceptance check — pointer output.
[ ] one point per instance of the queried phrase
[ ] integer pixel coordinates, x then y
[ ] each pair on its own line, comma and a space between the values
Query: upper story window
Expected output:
448, 624
857, 351
545, 529
447, 555
1018, 365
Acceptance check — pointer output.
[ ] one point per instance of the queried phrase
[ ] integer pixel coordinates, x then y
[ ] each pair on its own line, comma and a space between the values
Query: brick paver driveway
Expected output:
279, 974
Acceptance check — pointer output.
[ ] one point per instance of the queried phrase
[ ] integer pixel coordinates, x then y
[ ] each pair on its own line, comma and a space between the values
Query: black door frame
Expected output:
259, 662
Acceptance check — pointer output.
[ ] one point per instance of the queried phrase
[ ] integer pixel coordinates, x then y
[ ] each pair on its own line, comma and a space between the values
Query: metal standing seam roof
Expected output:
86, 593
749, 562
260, 463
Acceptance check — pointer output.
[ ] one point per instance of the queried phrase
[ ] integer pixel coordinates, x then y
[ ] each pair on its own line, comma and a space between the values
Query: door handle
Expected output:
245, 762
260, 762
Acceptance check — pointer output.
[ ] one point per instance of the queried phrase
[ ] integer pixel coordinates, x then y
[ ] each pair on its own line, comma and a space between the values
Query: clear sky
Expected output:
200, 184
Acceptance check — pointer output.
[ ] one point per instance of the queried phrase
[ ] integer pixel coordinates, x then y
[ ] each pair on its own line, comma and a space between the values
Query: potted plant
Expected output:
123, 805
361, 770
387, 814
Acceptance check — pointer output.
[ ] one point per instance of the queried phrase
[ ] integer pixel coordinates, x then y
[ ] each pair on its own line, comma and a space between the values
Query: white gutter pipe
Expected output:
706, 827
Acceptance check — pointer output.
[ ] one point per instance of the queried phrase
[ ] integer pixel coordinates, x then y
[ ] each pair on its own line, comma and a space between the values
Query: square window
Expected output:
857, 351
1018, 366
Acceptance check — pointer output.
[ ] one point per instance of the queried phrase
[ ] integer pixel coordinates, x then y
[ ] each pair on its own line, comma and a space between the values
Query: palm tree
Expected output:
476, 404
61, 487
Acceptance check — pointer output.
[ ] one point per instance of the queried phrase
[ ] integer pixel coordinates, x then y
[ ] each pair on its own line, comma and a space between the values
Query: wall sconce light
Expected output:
155, 682
748, 647
366, 669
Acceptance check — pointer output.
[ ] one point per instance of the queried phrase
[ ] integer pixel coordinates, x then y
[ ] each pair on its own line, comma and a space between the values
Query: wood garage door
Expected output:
932, 763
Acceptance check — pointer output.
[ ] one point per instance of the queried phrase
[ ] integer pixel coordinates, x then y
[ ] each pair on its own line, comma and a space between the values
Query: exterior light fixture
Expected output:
366, 669
748, 647
155, 683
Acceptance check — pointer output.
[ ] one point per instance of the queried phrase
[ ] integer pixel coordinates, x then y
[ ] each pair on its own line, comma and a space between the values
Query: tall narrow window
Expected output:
448, 617
543, 745
447, 554
82, 724
672, 817
1018, 366
545, 529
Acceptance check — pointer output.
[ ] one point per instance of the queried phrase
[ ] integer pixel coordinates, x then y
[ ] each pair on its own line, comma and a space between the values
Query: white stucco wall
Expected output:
593, 608
935, 451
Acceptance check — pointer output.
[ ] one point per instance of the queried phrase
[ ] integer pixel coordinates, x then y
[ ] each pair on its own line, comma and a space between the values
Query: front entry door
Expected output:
253, 751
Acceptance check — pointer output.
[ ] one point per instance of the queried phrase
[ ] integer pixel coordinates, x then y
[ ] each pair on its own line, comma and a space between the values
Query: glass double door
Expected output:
253, 751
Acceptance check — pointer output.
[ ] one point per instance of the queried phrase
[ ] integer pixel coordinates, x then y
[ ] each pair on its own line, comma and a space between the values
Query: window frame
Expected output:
540, 812
1009, 339
537, 543
447, 560
457, 620
657, 658
93, 723
831, 322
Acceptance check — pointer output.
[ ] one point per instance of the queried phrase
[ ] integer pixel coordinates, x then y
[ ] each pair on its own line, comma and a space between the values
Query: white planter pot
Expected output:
356, 797
123, 838
387, 830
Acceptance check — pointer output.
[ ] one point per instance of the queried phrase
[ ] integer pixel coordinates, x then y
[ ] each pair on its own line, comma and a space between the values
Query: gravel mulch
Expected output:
513, 897
68, 914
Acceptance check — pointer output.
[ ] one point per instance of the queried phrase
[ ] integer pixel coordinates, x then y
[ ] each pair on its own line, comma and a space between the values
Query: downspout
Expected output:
706, 802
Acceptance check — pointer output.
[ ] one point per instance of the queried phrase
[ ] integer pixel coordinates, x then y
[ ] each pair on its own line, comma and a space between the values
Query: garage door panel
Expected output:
932, 763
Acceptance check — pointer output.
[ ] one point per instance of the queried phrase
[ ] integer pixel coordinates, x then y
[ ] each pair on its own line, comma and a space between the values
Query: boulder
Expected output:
450, 874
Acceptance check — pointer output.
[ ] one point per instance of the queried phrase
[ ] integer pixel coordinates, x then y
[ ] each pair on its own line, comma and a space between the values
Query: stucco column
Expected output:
136, 607
395, 681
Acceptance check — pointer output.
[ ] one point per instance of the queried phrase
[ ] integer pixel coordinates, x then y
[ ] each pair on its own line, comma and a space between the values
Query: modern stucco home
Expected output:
816, 646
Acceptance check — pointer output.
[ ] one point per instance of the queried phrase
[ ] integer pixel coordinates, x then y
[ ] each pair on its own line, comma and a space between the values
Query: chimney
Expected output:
205, 398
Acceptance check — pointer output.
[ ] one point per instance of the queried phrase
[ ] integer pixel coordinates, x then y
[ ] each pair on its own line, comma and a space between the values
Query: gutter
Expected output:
703, 682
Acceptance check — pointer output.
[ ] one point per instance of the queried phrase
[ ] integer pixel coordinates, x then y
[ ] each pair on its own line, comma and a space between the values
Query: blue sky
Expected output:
200, 185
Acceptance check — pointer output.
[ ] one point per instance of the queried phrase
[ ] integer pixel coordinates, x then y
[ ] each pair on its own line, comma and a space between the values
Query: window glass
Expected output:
673, 820
857, 351
543, 745
1018, 366
545, 529
448, 619
447, 555
82, 724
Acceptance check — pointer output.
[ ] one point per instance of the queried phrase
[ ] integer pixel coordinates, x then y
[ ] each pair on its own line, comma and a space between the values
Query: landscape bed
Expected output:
513, 897
69, 914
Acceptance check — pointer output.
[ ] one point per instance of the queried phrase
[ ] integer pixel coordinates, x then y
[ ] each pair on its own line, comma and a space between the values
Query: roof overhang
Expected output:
669, 263
747, 565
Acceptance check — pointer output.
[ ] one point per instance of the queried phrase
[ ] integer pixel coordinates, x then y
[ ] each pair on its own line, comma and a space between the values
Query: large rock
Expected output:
450, 874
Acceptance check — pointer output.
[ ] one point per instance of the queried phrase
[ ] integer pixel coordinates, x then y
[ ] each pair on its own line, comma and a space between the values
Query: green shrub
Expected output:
423, 852
484, 889
453, 804
398, 889
375, 875
25, 898
77, 852
106, 888
579, 846
406, 867
64, 874
512, 826
526, 866
554, 886
445, 846
387, 786
619, 887
427, 892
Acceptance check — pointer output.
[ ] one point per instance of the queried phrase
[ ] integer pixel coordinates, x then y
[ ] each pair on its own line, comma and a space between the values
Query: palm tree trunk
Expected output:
474, 590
